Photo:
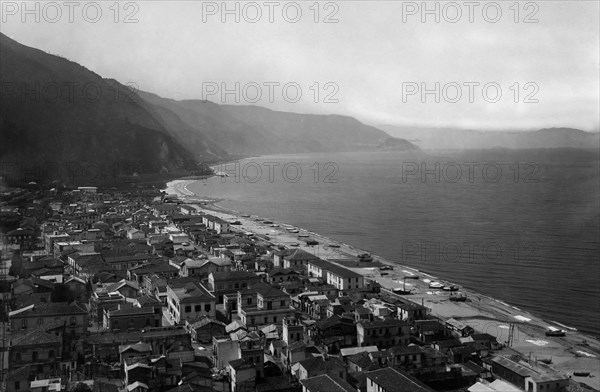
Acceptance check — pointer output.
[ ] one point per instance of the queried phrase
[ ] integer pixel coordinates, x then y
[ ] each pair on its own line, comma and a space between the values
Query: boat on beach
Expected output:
555, 332
365, 257
436, 285
458, 297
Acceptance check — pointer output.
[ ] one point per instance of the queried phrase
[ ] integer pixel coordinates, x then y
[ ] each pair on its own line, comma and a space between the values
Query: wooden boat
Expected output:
365, 257
555, 332
401, 291
458, 297
581, 374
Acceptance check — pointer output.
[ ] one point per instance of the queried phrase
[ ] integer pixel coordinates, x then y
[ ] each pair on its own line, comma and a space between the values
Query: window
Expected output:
34, 356
188, 308
40, 321
266, 319
51, 354
282, 303
17, 385
269, 305
249, 301
197, 308
274, 319
207, 307
18, 357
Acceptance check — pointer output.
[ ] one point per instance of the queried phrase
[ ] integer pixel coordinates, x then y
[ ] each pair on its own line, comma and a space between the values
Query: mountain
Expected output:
454, 138
60, 121
254, 130
396, 144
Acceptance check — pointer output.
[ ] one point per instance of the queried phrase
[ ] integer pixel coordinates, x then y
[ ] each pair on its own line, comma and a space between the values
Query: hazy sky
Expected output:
374, 59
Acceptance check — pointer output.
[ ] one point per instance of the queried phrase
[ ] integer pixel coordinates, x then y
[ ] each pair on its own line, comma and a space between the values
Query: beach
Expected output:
575, 352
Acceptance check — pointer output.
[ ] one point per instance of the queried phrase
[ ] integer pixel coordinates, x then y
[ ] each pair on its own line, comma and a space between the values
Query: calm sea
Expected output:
521, 226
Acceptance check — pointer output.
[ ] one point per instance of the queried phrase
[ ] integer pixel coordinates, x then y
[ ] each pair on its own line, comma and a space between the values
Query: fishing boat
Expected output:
555, 332
458, 297
365, 257
451, 288
581, 374
401, 291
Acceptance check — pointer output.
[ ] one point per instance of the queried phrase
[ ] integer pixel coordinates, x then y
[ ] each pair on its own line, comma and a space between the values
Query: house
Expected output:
325, 383
528, 378
296, 259
128, 316
203, 329
124, 287
391, 380
334, 332
229, 282
408, 358
410, 311
268, 305
340, 277
316, 366
135, 234
459, 328
279, 275
242, 374
129, 351
382, 333
74, 316
187, 300
39, 349
203, 267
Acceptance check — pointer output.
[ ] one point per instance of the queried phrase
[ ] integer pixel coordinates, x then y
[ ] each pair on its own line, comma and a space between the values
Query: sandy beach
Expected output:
572, 353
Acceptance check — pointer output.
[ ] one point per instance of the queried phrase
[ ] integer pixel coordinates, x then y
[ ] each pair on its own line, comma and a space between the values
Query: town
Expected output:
134, 290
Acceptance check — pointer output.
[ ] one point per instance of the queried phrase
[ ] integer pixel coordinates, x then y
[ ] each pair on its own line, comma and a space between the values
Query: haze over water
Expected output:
530, 239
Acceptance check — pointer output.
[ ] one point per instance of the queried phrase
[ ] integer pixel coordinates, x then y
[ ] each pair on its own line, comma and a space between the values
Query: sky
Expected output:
481, 65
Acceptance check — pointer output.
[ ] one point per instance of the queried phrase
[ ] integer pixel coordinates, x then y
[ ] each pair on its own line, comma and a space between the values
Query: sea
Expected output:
521, 226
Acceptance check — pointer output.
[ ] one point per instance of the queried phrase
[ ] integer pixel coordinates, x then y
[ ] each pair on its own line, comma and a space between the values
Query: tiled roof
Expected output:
34, 338
326, 383
393, 380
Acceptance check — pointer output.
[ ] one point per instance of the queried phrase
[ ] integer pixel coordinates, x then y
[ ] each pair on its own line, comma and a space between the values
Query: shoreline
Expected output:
577, 351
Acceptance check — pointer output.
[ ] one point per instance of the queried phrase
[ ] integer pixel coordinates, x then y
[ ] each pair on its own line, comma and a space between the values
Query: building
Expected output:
74, 316
325, 383
230, 282
38, 349
263, 304
317, 366
392, 380
340, 277
528, 378
128, 316
382, 333
204, 329
188, 300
